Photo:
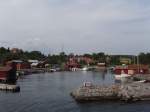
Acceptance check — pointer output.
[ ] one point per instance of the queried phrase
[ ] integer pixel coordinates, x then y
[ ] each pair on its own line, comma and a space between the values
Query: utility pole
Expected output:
62, 48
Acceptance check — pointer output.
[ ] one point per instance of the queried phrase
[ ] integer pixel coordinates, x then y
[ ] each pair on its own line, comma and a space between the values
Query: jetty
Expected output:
8, 87
135, 91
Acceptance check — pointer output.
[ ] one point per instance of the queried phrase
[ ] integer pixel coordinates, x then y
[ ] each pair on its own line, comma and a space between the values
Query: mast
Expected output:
62, 48
134, 57
138, 64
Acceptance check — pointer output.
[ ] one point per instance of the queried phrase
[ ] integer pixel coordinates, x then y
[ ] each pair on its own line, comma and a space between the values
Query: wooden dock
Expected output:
7, 87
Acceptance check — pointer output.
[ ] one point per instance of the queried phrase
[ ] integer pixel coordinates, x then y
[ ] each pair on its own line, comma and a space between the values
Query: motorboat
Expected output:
84, 69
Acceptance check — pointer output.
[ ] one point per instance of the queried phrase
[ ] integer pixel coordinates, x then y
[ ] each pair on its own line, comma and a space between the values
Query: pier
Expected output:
7, 87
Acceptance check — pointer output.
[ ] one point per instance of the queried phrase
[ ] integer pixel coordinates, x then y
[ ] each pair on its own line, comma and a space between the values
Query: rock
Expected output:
132, 92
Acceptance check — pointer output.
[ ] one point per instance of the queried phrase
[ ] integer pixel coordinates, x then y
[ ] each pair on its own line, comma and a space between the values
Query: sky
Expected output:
76, 26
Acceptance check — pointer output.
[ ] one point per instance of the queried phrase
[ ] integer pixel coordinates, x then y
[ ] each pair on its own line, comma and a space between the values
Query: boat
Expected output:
53, 70
85, 69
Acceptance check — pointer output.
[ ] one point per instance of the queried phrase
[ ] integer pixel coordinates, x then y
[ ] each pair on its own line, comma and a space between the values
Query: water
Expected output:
50, 92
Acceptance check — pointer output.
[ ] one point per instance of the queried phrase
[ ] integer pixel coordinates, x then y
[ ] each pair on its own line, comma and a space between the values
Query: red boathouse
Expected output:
8, 74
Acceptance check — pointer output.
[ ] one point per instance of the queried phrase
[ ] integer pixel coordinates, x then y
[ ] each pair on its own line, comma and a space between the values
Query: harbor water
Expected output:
50, 92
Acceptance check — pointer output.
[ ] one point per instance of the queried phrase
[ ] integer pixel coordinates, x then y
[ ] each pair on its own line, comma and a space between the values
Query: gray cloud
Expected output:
112, 26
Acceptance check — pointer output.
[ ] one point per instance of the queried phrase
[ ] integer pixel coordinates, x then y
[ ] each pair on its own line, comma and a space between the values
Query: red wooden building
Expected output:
72, 63
19, 64
8, 74
132, 69
4, 71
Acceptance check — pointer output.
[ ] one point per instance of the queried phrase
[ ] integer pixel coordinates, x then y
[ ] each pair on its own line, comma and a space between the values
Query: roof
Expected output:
5, 68
138, 66
34, 64
101, 63
17, 61
33, 61
133, 67
14, 61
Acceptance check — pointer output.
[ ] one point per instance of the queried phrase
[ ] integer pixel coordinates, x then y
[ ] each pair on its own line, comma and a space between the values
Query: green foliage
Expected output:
99, 57
35, 55
87, 55
115, 60
144, 58
57, 59
82, 63
61, 59
6, 55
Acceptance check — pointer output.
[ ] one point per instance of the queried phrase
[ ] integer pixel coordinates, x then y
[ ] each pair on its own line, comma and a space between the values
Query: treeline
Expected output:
6, 54
144, 58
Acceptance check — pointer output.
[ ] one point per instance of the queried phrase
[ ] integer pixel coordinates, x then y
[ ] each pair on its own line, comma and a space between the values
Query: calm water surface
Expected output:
49, 92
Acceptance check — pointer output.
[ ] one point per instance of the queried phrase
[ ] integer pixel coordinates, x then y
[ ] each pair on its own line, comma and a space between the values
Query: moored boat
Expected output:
84, 69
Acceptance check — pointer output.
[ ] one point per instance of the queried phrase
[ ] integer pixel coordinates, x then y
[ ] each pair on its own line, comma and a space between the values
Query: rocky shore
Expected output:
141, 77
127, 92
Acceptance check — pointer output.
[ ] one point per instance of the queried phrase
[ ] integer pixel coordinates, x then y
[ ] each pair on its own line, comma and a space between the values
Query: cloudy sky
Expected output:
111, 26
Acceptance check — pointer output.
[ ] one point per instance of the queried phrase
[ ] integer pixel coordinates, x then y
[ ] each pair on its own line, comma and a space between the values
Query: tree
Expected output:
35, 55
62, 57
99, 57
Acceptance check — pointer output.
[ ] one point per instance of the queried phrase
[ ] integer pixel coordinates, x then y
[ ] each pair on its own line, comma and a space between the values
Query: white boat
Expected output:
53, 70
84, 69
142, 81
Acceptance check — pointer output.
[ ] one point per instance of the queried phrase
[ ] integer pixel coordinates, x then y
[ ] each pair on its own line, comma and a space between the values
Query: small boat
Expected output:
122, 75
53, 70
84, 69
142, 81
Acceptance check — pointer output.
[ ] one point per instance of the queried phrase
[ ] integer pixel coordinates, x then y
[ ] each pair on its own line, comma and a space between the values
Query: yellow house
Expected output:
125, 60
